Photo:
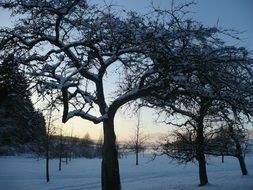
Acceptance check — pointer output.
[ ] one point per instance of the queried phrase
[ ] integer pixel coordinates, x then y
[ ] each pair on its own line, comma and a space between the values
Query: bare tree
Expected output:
137, 141
178, 145
69, 46
71, 145
190, 148
236, 133
60, 149
218, 79
50, 129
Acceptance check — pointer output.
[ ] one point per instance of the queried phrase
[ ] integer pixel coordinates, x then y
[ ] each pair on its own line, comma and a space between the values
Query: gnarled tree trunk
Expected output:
200, 153
202, 169
238, 150
241, 158
242, 165
110, 164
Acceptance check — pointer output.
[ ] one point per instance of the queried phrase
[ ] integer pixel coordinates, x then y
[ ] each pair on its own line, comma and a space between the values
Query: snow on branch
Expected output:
87, 116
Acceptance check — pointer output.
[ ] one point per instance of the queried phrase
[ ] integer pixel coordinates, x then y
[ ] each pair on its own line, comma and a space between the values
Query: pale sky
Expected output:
230, 14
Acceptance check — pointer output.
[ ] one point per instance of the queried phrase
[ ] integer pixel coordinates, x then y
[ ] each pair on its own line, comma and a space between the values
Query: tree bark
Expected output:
200, 153
242, 165
110, 164
47, 161
239, 151
47, 155
137, 144
60, 153
202, 169
137, 157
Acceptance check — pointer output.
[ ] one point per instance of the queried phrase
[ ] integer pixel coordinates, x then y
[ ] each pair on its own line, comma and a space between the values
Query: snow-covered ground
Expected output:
21, 173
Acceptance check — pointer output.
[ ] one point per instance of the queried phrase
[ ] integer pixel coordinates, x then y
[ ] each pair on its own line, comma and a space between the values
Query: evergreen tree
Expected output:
12, 82
20, 123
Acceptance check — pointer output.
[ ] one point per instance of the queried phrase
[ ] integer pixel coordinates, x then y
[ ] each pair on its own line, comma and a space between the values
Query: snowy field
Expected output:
21, 173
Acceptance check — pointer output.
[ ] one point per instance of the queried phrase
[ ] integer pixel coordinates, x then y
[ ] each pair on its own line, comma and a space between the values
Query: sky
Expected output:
229, 14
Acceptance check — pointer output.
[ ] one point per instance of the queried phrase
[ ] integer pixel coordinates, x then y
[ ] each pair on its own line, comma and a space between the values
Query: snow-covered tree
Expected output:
72, 48
69, 46
206, 77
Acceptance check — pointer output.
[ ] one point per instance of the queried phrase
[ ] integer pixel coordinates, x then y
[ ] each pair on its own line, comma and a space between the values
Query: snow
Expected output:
87, 116
21, 173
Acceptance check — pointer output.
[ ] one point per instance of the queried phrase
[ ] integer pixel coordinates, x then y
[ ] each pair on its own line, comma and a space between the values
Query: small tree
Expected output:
71, 144
138, 141
220, 144
50, 131
60, 149
231, 140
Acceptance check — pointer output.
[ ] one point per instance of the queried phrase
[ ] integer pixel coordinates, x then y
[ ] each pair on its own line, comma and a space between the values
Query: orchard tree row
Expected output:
165, 60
